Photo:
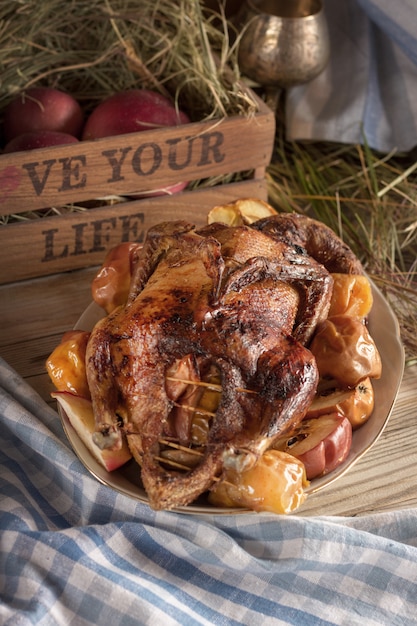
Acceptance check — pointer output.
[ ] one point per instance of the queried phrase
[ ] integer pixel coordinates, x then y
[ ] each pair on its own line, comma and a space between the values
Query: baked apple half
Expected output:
320, 443
81, 417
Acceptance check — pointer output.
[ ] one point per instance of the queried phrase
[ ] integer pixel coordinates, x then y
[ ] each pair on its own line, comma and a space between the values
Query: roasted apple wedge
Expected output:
243, 211
80, 415
356, 404
320, 443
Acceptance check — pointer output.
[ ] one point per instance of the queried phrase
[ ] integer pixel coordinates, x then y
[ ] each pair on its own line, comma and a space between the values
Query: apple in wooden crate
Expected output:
42, 108
80, 414
321, 443
32, 140
133, 111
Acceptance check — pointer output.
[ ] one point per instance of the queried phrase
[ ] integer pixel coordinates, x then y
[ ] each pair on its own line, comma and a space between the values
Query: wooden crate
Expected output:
118, 166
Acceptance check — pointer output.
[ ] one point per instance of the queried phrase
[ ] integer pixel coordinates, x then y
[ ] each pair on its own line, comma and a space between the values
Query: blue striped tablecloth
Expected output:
369, 89
74, 552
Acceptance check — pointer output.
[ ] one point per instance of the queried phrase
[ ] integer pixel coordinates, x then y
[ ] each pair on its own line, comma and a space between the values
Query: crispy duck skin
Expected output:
317, 239
236, 298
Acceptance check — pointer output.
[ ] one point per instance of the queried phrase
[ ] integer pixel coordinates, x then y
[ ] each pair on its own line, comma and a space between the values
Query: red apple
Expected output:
132, 111
81, 417
38, 139
321, 443
42, 108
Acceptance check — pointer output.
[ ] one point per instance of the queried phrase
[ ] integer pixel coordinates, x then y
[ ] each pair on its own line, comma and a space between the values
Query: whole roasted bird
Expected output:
234, 305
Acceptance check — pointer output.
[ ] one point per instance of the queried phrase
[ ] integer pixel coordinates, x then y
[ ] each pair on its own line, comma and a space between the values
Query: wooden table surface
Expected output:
34, 314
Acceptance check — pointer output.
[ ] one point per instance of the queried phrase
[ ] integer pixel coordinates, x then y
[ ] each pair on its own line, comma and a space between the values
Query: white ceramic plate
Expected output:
384, 329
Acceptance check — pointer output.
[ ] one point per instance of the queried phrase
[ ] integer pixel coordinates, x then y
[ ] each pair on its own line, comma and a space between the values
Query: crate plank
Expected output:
27, 307
60, 243
135, 162
34, 314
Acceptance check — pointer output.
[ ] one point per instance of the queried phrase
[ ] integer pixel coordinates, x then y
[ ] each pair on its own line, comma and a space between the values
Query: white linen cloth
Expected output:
368, 91
75, 552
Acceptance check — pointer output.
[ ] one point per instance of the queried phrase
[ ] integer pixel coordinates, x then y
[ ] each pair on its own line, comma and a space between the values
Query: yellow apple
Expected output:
356, 404
275, 484
352, 295
66, 364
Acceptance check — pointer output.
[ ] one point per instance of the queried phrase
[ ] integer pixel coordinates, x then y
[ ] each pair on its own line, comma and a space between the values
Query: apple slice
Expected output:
356, 404
321, 443
79, 411
243, 211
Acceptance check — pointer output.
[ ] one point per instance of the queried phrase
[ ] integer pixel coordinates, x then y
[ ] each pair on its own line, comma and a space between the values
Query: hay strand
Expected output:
93, 48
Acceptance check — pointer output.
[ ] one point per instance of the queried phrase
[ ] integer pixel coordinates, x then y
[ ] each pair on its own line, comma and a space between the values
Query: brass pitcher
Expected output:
282, 42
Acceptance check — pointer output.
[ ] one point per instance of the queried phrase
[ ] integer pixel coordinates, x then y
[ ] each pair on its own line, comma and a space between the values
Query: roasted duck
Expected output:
226, 311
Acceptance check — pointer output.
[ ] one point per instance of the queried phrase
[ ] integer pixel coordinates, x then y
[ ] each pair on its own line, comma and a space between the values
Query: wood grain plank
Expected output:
34, 309
76, 240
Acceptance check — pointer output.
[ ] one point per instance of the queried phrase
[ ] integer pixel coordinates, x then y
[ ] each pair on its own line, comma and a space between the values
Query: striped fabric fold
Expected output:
367, 93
